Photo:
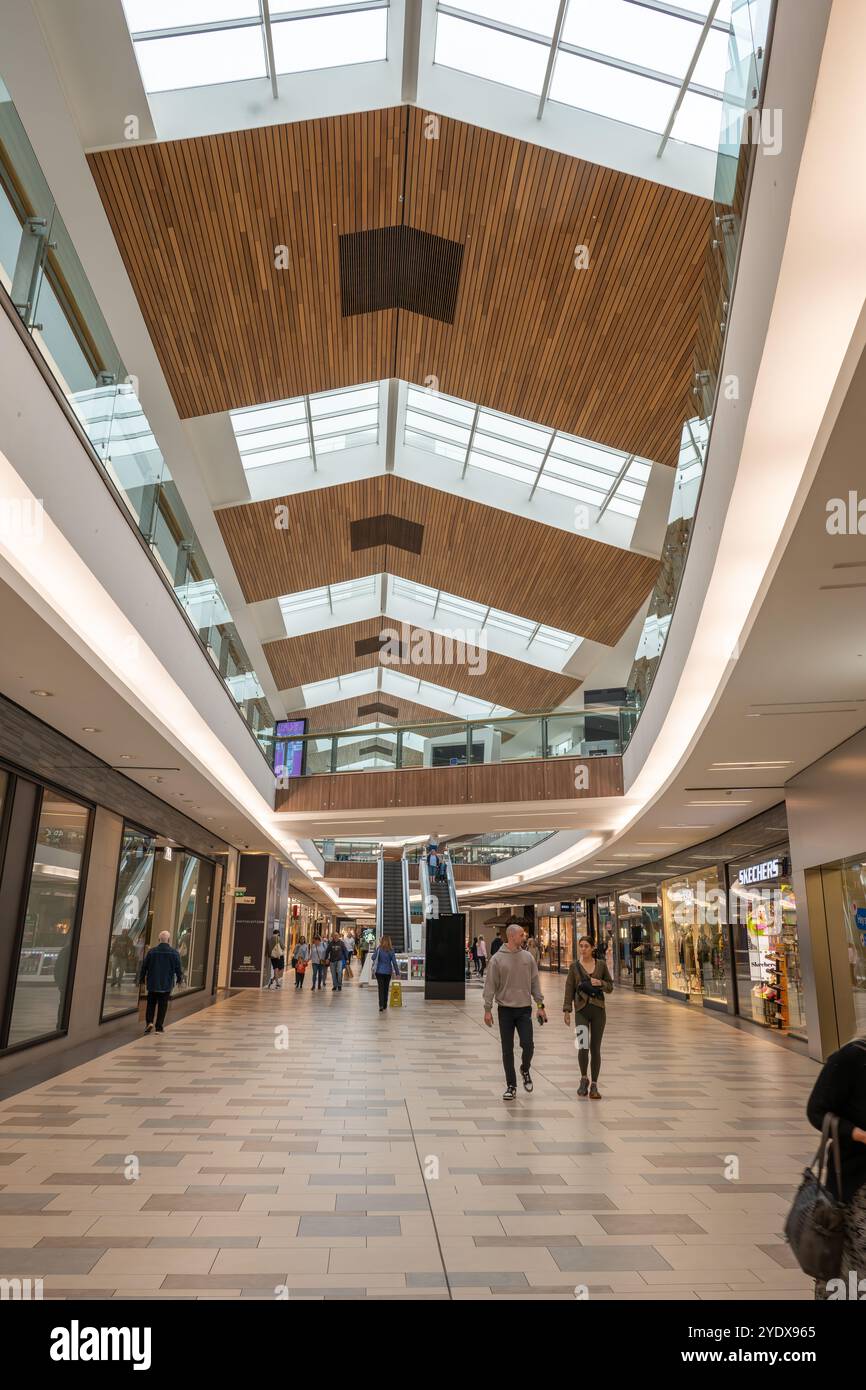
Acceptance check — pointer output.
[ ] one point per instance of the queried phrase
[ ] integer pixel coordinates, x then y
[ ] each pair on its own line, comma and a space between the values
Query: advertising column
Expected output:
255, 882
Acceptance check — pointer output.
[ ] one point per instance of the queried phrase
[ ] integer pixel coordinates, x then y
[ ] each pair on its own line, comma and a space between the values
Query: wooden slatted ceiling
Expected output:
343, 714
481, 553
484, 674
198, 223
605, 351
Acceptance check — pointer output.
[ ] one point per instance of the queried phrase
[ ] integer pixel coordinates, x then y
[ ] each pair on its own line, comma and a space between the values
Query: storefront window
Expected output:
43, 976
192, 919
854, 907
639, 943
129, 922
766, 946
159, 888
695, 917
605, 936
555, 936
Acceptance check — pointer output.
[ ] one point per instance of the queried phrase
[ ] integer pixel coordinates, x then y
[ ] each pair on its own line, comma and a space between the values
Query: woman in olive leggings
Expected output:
587, 983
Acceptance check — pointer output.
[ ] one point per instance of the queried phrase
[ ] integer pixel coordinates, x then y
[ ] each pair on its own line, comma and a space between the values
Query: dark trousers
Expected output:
521, 1019
299, 979
156, 1004
593, 1019
384, 983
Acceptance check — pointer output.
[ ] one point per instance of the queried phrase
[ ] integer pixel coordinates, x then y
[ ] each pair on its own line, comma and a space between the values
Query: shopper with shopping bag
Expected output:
384, 967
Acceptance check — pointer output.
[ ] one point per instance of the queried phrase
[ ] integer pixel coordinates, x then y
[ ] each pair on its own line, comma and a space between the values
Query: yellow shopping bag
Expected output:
395, 995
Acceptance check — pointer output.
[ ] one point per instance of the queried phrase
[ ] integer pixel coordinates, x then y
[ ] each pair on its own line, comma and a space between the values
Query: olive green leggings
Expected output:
592, 1018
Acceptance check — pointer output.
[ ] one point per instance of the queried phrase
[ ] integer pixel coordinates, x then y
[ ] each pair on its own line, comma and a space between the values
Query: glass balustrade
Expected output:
745, 130
597, 732
43, 277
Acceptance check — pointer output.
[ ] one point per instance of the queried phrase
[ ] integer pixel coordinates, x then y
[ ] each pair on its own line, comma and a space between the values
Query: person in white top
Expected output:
481, 949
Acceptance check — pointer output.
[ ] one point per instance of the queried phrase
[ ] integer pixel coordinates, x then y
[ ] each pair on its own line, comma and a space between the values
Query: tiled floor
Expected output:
305, 1143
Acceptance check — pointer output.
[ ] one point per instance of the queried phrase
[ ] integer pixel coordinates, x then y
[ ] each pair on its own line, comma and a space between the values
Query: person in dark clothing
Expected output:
336, 958
496, 944
841, 1091
160, 969
587, 983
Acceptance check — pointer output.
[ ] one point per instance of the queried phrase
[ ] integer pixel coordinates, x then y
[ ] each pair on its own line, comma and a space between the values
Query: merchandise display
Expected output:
766, 946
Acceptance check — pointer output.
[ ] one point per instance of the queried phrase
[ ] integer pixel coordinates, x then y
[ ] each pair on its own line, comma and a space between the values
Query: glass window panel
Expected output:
646, 37
454, 452
199, 60
555, 636
143, 16
509, 622
337, 402
460, 608
541, 18
442, 407
623, 507
623, 96
129, 922
43, 975
484, 52
294, 453
699, 121
251, 440
262, 417
505, 427
421, 593
329, 41
505, 470
192, 913
438, 428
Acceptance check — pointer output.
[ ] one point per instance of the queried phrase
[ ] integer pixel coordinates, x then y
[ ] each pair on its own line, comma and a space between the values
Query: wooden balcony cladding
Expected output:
556, 779
354, 871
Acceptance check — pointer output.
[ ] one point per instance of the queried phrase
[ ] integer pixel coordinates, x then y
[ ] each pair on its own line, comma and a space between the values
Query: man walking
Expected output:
512, 980
159, 970
336, 958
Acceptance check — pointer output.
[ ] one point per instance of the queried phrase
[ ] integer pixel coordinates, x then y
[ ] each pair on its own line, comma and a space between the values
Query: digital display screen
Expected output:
288, 748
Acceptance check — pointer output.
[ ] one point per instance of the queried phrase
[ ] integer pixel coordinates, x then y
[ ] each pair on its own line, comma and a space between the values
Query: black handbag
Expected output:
815, 1228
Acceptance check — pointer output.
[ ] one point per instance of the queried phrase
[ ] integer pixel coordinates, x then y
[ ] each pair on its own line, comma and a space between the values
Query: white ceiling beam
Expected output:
411, 50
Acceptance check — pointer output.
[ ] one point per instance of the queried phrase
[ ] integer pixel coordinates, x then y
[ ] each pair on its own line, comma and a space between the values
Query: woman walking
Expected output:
384, 966
587, 983
299, 961
841, 1091
318, 953
481, 953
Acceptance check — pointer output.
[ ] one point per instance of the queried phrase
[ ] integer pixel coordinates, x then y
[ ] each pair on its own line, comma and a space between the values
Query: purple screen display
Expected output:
288, 750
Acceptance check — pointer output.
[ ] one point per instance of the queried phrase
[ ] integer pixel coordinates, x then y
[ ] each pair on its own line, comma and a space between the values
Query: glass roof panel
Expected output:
330, 41
540, 18
647, 38
623, 96
444, 430
622, 59
442, 407
199, 60
143, 16
484, 52
505, 470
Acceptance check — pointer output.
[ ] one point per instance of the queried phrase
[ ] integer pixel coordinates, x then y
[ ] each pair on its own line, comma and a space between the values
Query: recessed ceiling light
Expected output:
88, 729
45, 693
126, 757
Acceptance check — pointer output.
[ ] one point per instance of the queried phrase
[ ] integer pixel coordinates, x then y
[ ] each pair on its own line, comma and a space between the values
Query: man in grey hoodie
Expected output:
512, 980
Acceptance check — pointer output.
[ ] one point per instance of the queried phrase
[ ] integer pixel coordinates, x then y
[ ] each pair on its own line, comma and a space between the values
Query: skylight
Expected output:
624, 59
194, 43
302, 429
438, 697
476, 624
474, 437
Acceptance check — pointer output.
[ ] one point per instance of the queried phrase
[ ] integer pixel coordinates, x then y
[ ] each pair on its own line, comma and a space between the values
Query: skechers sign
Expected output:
77, 1343
761, 873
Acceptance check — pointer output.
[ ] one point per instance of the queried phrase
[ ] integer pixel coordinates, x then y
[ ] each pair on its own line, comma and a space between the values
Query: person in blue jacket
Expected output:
159, 970
384, 966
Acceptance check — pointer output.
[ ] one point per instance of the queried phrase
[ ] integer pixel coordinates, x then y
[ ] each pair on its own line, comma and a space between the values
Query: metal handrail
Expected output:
407, 909
449, 878
380, 880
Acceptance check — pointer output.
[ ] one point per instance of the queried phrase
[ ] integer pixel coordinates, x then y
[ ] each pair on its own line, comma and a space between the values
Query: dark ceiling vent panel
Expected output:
370, 531
377, 707
400, 268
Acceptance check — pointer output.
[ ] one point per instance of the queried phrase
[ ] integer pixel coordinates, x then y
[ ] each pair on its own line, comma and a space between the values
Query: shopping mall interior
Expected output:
430, 527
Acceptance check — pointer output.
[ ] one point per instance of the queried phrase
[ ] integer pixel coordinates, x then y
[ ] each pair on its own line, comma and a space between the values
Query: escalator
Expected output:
441, 891
392, 901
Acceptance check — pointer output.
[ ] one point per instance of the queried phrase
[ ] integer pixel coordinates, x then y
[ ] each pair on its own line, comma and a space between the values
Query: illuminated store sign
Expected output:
761, 873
